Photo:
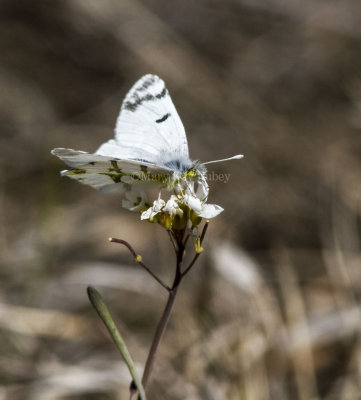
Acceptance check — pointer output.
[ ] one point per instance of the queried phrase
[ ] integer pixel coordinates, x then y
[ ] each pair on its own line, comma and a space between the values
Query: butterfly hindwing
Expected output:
109, 173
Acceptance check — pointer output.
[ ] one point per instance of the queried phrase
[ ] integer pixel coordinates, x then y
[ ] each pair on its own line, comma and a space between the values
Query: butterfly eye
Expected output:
191, 173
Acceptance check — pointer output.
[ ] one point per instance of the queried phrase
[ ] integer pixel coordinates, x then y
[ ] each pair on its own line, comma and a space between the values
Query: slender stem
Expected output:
203, 234
187, 237
181, 239
158, 336
172, 241
204, 230
138, 260
167, 311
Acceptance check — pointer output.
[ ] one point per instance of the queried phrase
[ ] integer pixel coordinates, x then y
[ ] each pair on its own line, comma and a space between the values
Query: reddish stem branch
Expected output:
138, 261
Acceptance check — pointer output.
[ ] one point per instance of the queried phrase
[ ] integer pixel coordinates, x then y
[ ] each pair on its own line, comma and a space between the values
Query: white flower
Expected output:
172, 206
134, 200
196, 200
203, 209
194, 196
154, 210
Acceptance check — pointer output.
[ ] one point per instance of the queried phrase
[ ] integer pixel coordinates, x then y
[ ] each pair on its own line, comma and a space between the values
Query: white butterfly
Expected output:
149, 149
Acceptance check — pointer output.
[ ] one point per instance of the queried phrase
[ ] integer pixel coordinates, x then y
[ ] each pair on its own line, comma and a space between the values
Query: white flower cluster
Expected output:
192, 199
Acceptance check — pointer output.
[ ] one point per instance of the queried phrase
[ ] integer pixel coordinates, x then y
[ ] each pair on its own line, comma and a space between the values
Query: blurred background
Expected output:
272, 308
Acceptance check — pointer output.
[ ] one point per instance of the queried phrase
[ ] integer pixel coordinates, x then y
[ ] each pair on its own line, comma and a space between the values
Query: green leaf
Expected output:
104, 313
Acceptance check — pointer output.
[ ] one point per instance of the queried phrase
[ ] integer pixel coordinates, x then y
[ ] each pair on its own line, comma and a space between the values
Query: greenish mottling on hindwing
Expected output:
114, 167
162, 179
77, 171
117, 176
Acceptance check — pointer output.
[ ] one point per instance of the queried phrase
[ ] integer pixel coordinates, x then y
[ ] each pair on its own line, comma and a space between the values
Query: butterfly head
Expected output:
186, 168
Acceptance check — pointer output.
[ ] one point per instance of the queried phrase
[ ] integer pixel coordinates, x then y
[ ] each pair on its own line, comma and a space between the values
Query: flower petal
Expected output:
172, 206
158, 205
193, 203
147, 214
210, 211
202, 190
154, 210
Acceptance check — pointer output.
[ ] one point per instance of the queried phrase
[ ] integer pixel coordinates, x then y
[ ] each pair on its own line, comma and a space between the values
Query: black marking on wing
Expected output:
142, 160
162, 94
163, 118
136, 100
147, 83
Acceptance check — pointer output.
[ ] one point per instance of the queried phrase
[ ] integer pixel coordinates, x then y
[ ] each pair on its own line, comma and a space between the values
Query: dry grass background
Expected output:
272, 310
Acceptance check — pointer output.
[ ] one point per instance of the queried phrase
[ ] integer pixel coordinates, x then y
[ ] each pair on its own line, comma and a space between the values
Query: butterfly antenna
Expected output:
237, 157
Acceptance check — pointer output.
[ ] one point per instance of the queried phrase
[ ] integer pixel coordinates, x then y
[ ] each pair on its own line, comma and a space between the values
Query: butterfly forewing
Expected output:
148, 127
150, 144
